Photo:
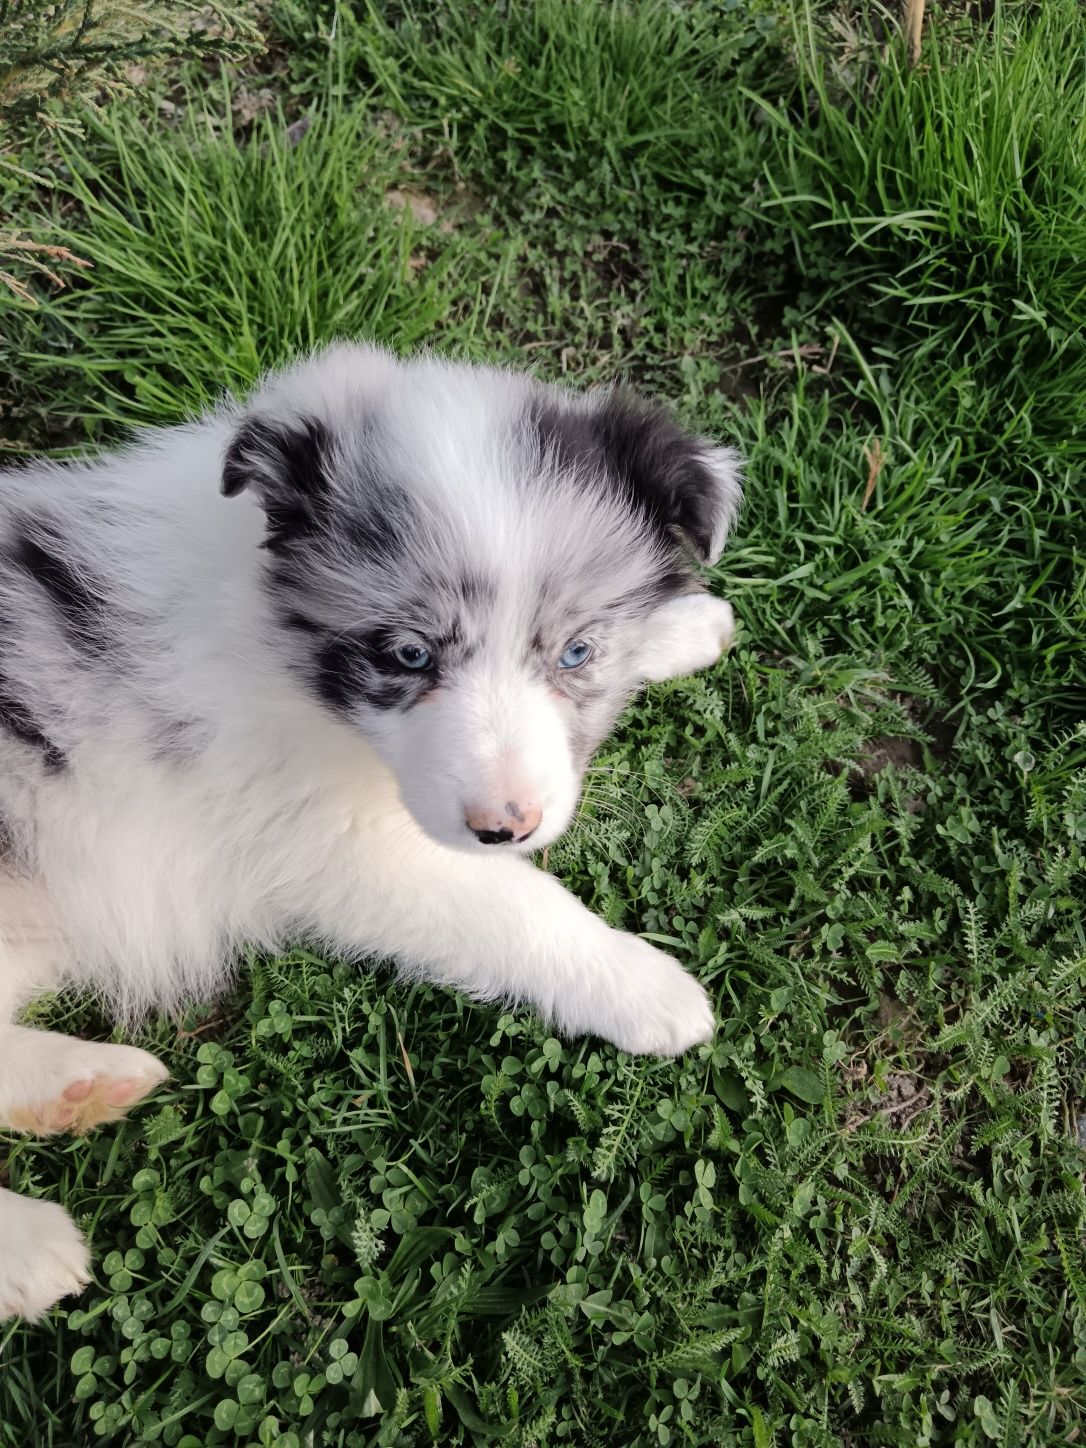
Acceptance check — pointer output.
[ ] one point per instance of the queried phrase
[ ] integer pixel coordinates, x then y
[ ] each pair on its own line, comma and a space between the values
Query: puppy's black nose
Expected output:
493, 837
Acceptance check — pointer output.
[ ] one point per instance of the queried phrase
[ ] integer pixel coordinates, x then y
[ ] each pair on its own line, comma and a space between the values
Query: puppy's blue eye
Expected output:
577, 652
412, 656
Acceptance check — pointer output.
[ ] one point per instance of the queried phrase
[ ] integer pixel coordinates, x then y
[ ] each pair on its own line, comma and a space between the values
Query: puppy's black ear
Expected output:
682, 482
286, 462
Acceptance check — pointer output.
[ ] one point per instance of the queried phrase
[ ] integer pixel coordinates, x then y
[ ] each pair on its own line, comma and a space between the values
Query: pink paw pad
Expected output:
124, 1093
84, 1104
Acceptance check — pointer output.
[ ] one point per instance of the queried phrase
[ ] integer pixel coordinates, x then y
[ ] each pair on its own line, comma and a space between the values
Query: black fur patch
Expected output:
474, 589
639, 449
80, 603
286, 464
377, 524
353, 669
668, 584
299, 623
17, 719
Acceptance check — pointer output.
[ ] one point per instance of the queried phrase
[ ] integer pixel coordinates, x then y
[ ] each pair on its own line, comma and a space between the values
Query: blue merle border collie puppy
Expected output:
328, 667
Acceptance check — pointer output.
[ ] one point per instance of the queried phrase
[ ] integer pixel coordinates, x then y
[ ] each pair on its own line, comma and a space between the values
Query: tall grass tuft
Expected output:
215, 258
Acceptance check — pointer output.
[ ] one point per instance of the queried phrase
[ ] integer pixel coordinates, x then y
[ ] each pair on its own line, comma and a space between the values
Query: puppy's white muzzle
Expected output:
487, 762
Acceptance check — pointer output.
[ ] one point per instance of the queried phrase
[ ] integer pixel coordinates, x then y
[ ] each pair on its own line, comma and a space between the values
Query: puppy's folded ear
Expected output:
684, 484
287, 464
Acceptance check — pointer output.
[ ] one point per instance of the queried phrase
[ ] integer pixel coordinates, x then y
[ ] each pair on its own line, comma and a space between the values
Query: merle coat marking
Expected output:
326, 667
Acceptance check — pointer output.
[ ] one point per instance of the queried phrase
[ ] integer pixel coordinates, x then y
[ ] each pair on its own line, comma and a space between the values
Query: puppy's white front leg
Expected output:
499, 929
687, 634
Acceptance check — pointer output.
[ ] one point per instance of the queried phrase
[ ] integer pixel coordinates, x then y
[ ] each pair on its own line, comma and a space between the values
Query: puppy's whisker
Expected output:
624, 781
602, 808
615, 802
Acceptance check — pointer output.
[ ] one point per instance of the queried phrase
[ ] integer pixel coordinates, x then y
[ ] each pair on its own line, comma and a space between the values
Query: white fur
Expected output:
140, 874
690, 633
44, 1256
40, 1071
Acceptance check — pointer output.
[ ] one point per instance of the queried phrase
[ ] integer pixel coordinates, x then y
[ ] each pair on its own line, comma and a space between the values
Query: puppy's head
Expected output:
476, 571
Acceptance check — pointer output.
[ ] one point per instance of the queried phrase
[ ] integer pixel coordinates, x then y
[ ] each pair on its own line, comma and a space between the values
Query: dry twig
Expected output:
914, 26
875, 459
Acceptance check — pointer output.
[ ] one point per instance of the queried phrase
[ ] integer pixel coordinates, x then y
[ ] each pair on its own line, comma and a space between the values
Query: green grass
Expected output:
363, 1213
213, 260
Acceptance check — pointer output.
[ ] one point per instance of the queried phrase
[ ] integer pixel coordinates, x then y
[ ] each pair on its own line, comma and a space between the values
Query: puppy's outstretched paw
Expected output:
76, 1085
43, 1257
650, 1005
687, 634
